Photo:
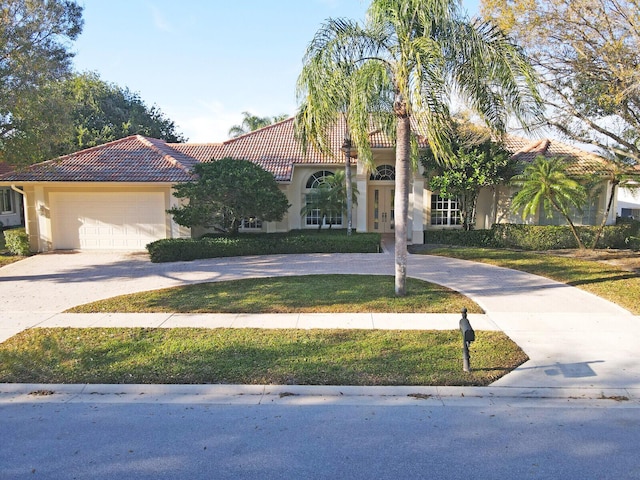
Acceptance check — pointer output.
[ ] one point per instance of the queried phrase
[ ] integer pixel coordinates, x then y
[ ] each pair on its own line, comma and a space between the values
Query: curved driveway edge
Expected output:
573, 338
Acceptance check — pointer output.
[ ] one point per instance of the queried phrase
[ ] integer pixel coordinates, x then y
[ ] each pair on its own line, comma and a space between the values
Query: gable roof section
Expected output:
131, 159
578, 162
273, 147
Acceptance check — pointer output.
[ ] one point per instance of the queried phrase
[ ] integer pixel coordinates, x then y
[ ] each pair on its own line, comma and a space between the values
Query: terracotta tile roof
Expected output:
579, 162
141, 159
131, 159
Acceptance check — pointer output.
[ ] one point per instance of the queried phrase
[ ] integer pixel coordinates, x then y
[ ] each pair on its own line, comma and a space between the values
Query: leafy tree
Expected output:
34, 52
478, 162
414, 53
253, 122
102, 112
225, 192
587, 53
545, 184
329, 198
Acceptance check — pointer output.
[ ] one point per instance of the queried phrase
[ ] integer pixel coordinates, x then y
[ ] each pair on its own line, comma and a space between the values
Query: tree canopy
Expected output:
226, 192
103, 111
588, 55
35, 51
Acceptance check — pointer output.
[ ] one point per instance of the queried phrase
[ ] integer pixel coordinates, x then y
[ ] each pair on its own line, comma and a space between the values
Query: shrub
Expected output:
181, 249
537, 237
470, 238
17, 241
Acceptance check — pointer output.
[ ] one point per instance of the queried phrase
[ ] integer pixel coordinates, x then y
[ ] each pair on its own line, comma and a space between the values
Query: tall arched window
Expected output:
384, 172
317, 214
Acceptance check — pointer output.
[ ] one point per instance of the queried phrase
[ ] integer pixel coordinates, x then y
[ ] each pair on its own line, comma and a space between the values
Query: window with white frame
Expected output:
251, 223
445, 211
314, 216
6, 200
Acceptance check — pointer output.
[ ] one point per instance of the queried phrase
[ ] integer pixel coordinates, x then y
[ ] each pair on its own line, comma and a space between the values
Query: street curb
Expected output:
12, 393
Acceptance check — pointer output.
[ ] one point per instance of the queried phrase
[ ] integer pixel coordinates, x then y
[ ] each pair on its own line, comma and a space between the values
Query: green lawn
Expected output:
307, 293
612, 283
249, 356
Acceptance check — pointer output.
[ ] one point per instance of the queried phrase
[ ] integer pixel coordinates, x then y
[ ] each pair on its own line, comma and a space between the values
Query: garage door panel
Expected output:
107, 220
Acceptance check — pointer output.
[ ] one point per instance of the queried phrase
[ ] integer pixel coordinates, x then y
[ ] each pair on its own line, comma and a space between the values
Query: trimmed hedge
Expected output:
181, 249
17, 241
537, 237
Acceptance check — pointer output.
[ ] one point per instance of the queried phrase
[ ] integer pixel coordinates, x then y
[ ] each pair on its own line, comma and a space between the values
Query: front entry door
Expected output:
381, 209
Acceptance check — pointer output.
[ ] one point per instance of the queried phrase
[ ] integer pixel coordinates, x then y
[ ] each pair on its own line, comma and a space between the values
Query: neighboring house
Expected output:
116, 195
629, 203
10, 202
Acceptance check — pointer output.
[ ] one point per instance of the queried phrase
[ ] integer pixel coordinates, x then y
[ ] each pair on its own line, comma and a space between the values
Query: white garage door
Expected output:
123, 220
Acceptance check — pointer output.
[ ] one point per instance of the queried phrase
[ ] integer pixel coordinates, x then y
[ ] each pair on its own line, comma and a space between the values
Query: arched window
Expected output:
318, 213
317, 177
384, 172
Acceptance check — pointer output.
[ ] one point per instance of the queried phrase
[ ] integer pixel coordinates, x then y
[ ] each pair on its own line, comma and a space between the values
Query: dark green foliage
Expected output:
466, 238
180, 249
17, 241
227, 191
478, 162
102, 112
35, 53
536, 237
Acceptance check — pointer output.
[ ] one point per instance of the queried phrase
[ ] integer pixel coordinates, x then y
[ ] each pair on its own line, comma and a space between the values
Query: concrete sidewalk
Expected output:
575, 340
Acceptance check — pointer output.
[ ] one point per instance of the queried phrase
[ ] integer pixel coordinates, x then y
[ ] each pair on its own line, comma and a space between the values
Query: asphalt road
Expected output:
472, 440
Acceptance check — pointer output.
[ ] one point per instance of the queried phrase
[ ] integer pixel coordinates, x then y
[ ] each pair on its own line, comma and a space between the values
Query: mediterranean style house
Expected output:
115, 196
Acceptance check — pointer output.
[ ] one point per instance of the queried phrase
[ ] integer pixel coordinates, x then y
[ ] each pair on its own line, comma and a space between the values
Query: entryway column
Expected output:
361, 207
418, 211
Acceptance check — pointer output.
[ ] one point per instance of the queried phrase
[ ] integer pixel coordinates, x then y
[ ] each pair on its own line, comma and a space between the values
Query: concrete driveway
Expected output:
572, 337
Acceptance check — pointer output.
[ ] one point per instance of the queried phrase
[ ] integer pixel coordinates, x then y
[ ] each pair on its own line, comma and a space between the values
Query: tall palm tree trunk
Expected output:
403, 158
346, 148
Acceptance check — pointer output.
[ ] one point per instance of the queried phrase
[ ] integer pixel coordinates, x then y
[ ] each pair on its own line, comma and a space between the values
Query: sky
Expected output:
204, 62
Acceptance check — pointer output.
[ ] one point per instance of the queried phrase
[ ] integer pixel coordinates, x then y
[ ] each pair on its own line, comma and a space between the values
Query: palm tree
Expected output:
330, 91
545, 183
405, 63
329, 198
252, 122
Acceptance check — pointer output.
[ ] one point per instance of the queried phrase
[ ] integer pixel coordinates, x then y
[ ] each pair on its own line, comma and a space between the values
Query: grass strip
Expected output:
253, 356
609, 282
306, 293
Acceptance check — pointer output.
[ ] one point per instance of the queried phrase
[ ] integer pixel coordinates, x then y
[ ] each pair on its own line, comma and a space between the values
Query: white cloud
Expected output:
159, 21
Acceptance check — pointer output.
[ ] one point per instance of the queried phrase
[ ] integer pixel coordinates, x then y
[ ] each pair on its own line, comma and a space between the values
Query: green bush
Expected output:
471, 238
181, 249
538, 237
17, 241
533, 237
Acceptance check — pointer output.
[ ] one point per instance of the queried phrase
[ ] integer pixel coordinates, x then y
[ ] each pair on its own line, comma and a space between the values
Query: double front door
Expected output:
381, 208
